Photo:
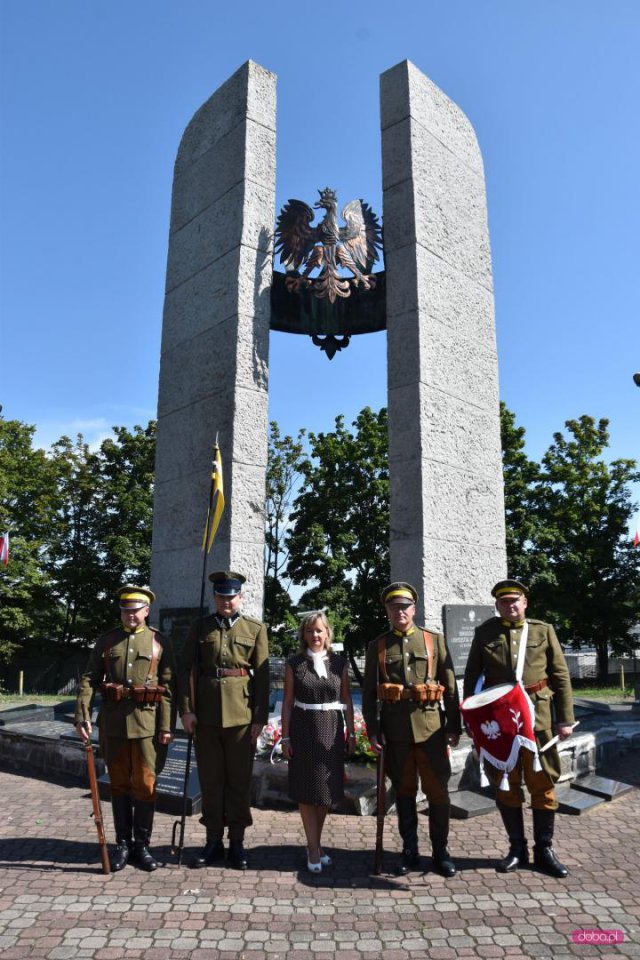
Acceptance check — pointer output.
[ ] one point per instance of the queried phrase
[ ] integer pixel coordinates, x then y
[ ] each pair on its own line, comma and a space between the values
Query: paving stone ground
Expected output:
56, 904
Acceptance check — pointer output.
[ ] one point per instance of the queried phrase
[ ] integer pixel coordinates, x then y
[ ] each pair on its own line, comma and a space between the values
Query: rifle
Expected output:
209, 534
380, 810
97, 809
180, 824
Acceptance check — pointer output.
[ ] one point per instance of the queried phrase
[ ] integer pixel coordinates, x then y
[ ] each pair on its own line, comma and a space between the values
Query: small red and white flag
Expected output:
4, 549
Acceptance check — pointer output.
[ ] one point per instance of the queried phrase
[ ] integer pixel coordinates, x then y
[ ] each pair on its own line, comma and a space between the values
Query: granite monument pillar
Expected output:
215, 344
447, 502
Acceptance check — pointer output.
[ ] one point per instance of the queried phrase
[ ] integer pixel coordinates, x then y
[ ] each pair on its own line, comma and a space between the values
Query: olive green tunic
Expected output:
128, 662
406, 663
225, 708
414, 732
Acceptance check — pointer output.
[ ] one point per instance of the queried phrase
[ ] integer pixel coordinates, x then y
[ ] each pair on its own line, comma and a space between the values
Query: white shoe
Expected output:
314, 867
325, 859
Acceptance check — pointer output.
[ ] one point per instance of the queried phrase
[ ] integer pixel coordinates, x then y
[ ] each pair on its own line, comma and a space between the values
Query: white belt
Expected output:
336, 705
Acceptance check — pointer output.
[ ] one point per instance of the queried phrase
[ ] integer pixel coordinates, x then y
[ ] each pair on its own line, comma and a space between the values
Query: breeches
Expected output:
132, 767
225, 762
429, 759
539, 785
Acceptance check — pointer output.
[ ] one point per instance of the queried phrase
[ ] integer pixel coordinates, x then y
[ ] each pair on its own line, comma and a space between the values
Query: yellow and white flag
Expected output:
216, 501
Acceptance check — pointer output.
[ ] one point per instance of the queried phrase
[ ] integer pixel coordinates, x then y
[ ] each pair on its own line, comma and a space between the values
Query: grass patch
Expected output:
43, 699
609, 694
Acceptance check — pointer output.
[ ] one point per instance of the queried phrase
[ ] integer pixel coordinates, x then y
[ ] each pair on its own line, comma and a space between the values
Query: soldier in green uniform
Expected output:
494, 653
132, 667
409, 672
224, 703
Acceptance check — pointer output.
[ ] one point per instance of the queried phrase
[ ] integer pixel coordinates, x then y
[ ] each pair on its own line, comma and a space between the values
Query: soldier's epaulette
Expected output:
488, 626
531, 620
255, 620
156, 631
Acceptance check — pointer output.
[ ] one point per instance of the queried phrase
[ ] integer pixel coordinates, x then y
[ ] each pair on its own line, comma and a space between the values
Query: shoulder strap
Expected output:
156, 653
382, 649
428, 645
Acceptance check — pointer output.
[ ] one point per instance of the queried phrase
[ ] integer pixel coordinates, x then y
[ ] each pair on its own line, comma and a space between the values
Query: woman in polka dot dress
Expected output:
316, 690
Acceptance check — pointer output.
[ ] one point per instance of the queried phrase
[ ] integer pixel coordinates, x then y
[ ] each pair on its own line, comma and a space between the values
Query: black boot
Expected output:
518, 855
142, 826
439, 834
543, 854
123, 822
237, 857
212, 852
408, 827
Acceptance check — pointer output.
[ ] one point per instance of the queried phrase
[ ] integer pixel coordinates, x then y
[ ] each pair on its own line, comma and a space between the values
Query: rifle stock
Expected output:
380, 810
179, 825
97, 809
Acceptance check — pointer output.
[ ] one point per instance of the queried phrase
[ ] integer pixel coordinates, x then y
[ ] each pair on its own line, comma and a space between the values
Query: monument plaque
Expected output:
460, 622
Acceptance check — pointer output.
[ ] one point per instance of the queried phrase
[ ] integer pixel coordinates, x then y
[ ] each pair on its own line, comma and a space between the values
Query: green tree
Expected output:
283, 475
74, 562
339, 546
521, 500
28, 502
589, 582
125, 498
102, 532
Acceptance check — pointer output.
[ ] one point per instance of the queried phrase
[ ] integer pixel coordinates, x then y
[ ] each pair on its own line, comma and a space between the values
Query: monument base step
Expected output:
602, 787
575, 802
466, 804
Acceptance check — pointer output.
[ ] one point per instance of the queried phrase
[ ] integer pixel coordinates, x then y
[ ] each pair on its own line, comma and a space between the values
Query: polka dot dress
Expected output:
316, 769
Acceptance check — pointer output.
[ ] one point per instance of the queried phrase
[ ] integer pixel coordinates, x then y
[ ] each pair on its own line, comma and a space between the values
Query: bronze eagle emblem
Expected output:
327, 245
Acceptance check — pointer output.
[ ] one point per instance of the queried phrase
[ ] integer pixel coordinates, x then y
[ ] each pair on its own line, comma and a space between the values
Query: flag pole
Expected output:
179, 825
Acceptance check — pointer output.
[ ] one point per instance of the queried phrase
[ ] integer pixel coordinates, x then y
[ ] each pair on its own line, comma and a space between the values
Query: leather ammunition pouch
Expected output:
420, 692
429, 692
140, 693
390, 692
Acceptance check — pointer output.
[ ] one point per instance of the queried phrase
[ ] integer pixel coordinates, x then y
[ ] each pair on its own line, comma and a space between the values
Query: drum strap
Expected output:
522, 649
382, 649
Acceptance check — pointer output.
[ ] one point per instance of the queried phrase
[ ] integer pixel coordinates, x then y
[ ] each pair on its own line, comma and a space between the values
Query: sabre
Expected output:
555, 739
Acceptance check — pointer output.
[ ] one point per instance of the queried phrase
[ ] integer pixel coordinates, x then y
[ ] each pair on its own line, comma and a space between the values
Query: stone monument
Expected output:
436, 301
447, 502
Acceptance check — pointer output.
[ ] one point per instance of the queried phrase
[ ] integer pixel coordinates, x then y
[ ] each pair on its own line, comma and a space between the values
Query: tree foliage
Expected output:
283, 475
339, 541
28, 503
591, 583
568, 534
79, 523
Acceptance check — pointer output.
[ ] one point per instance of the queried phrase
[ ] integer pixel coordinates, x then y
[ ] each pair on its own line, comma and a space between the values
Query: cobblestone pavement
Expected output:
56, 904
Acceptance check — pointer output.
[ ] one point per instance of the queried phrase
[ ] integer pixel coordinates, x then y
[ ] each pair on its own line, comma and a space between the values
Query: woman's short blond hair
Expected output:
307, 621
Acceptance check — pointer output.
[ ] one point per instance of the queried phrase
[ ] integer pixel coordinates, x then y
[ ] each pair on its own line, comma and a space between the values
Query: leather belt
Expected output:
219, 672
540, 685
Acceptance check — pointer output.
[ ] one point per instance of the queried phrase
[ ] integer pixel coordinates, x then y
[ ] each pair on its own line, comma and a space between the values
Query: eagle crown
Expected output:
328, 199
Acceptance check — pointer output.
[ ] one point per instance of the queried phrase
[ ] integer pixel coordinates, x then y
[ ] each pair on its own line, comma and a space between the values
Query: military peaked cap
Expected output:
227, 583
509, 588
399, 590
143, 596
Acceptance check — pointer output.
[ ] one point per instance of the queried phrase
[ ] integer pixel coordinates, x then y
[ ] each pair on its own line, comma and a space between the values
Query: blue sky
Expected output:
95, 96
